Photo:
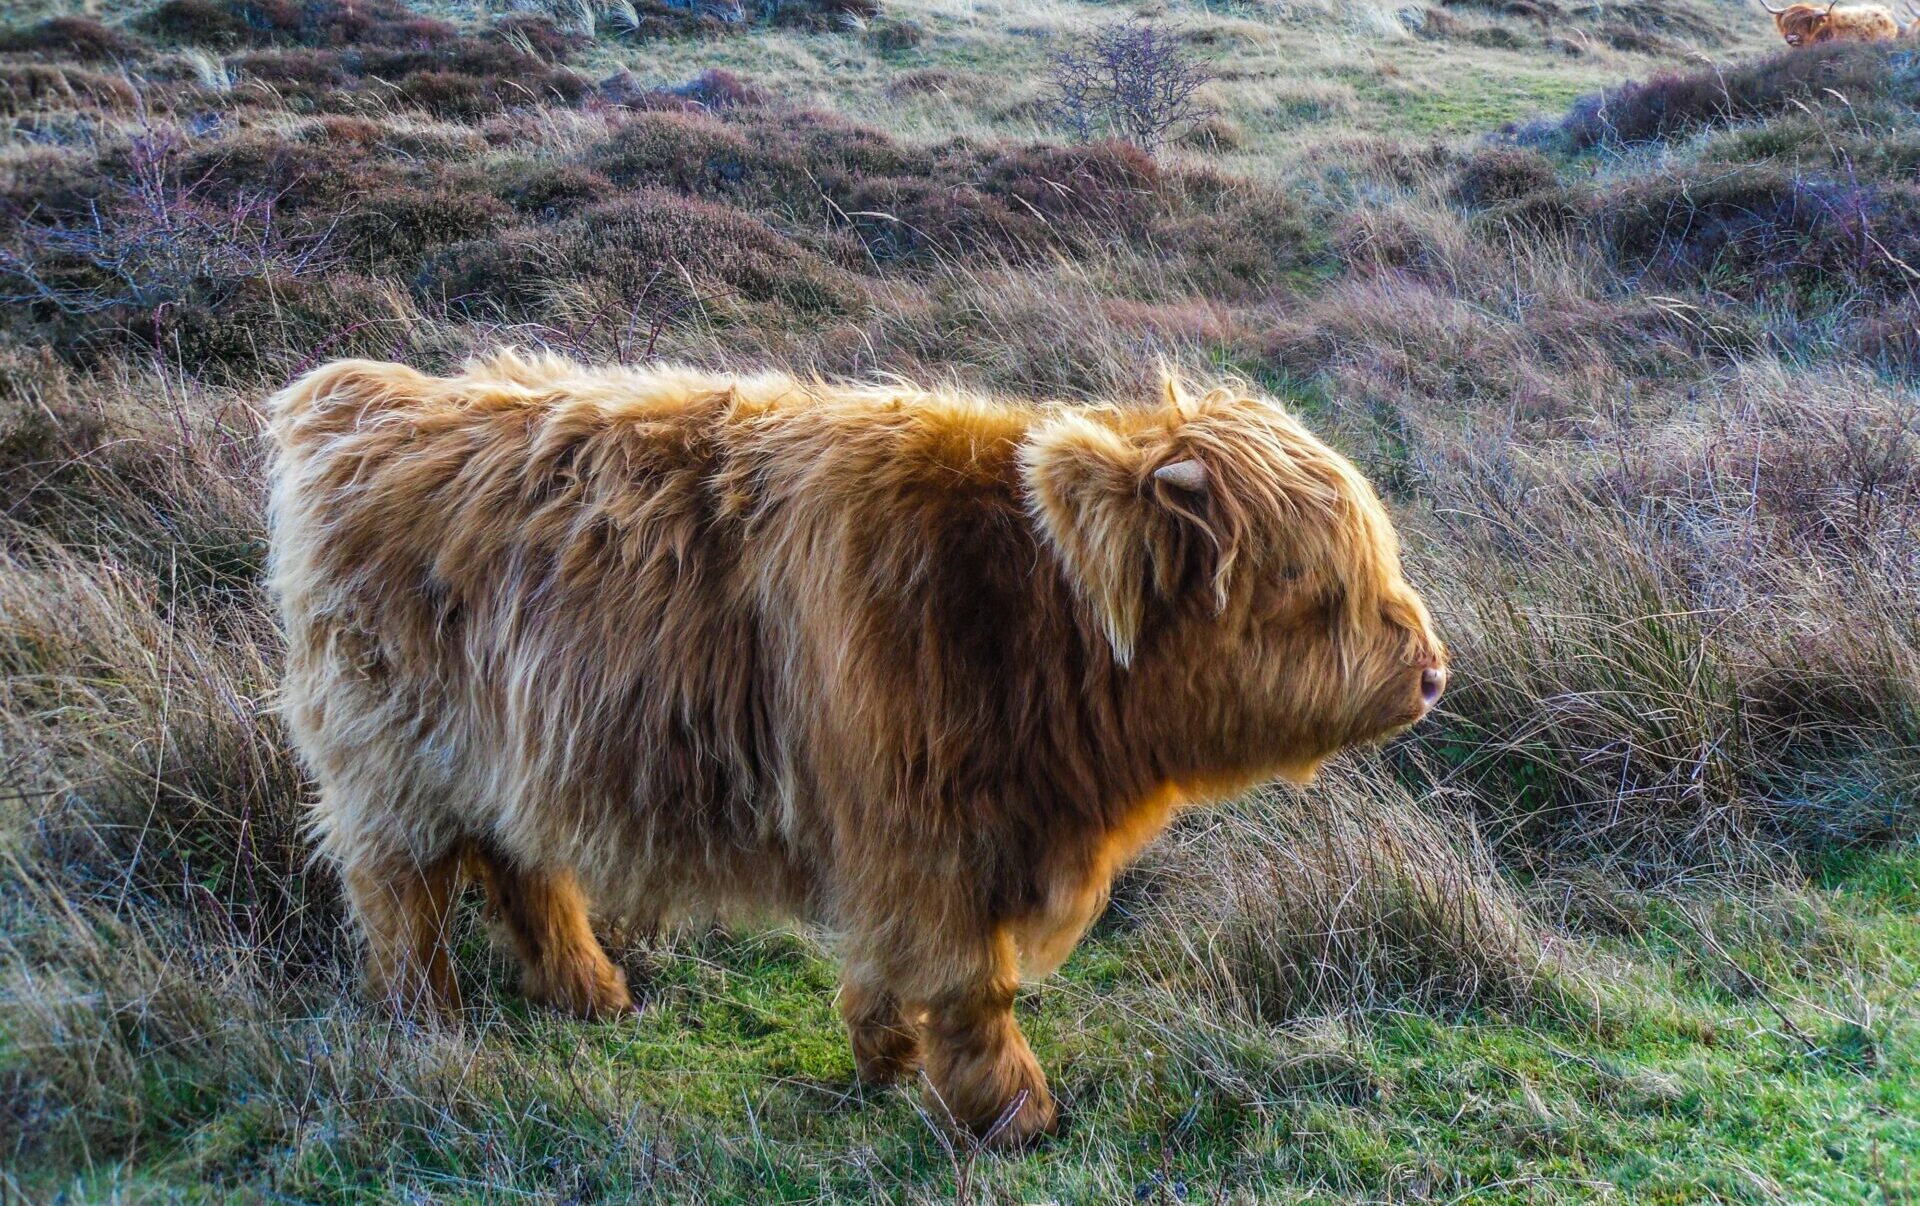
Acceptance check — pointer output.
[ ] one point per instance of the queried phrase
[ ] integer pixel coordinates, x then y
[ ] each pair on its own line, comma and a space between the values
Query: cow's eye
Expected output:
1282, 600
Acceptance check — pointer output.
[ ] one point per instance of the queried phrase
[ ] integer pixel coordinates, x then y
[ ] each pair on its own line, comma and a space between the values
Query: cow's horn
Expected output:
1830, 8
1188, 475
1770, 8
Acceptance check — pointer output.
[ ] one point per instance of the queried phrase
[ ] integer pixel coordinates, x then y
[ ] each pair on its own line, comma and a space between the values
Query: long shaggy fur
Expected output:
1803, 25
926, 667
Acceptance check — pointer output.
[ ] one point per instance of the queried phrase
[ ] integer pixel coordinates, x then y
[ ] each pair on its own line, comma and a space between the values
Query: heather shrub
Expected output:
1835, 75
275, 324
81, 38
156, 242
1549, 213
537, 34
301, 174
305, 77
26, 88
712, 91
1497, 175
1760, 229
326, 54
451, 93
461, 94
43, 182
892, 35
394, 227
716, 88
202, 22
500, 277
1109, 184
1237, 239
699, 155
389, 24
649, 250
547, 190
1398, 240
312, 23
1012, 202
476, 56
815, 14
658, 19
655, 244
379, 141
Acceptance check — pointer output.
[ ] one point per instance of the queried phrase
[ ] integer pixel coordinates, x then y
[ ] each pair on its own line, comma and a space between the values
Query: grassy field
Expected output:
1635, 917
1678, 1081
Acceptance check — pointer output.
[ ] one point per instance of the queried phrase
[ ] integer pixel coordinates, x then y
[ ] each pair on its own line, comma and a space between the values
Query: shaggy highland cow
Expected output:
928, 668
1810, 25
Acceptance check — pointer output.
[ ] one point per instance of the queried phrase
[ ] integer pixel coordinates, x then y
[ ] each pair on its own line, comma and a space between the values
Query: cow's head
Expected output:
1244, 577
1801, 24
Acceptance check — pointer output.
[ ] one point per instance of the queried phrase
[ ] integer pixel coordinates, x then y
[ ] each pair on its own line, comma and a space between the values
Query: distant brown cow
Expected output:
1810, 25
928, 668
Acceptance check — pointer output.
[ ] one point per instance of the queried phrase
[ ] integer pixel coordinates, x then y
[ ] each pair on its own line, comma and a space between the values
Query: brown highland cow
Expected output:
925, 667
1804, 25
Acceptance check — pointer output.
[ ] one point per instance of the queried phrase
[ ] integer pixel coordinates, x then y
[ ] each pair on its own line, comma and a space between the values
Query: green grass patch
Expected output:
1775, 1062
1464, 99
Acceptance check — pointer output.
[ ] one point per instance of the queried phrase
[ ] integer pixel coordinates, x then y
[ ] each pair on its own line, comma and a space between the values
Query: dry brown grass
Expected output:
1351, 895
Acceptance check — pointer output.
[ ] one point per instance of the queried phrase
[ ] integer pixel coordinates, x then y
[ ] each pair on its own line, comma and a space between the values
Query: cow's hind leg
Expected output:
545, 913
405, 905
884, 1034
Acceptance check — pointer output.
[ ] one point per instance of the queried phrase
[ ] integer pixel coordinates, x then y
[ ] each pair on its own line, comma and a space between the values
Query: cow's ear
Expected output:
1083, 490
1112, 518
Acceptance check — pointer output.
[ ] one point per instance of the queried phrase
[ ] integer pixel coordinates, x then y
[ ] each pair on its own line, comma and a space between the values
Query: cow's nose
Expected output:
1433, 680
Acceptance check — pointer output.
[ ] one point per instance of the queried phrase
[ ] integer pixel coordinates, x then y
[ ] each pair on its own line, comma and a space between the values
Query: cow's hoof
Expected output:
1017, 1126
883, 1055
1001, 1098
590, 992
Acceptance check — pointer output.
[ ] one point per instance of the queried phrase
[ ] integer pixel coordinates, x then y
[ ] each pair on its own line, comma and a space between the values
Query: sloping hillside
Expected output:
1634, 918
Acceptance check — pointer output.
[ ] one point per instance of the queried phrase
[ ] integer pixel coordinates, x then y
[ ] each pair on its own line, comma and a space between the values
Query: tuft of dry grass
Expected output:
1354, 894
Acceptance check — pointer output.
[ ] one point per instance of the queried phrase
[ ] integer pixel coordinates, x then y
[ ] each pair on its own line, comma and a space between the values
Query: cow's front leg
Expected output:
885, 1034
978, 1062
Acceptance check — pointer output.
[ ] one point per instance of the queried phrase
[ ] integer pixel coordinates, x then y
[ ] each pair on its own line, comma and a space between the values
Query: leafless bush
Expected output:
1132, 81
157, 235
